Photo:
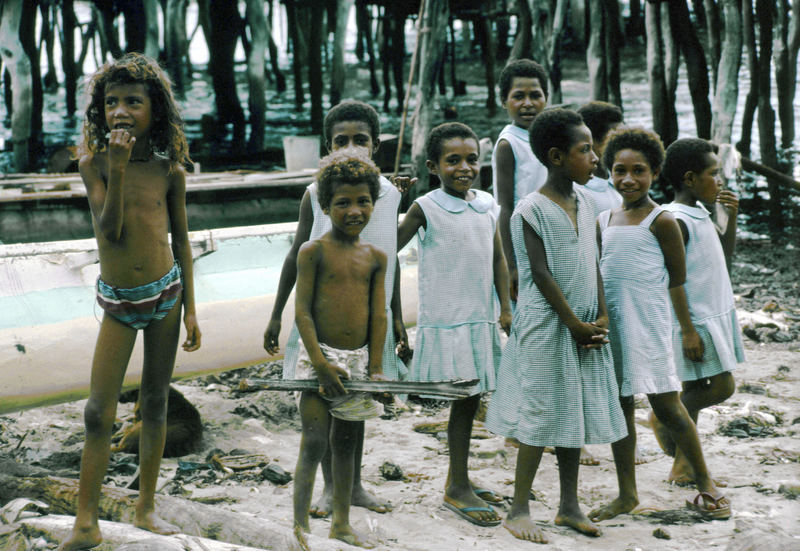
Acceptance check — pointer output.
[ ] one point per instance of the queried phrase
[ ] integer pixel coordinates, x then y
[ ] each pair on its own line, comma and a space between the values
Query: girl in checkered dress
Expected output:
461, 266
692, 169
556, 384
643, 265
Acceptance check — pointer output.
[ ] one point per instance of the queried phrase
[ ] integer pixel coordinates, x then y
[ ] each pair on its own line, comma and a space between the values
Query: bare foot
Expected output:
523, 528
587, 458
638, 458
362, 498
662, 435
487, 495
153, 523
82, 538
616, 507
578, 521
300, 536
324, 505
348, 535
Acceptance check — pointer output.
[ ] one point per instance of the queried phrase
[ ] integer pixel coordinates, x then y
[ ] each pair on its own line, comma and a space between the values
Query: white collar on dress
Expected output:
698, 211
481, 203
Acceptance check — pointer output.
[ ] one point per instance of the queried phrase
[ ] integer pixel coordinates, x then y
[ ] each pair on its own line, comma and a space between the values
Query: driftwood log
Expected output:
193, 519
445, 389
116, 537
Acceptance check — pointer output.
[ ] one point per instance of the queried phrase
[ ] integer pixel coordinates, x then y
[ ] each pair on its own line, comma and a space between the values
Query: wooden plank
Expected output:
445, 389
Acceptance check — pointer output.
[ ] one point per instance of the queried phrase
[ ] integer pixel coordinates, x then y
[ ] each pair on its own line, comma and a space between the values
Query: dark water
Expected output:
284, 120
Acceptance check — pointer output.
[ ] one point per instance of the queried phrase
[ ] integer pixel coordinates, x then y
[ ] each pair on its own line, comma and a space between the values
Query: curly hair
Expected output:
166, 133
352, 110
600, 117
444, 132
638, 139
526, 68
346, 166
682, 156
551, 128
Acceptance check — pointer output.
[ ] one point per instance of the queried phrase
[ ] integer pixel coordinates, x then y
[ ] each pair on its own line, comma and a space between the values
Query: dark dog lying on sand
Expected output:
184, 426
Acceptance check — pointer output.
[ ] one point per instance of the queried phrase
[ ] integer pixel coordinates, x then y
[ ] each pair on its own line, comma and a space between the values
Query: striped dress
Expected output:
529, 172
710, 297
550, 392
381, 231
457, 335
635, 281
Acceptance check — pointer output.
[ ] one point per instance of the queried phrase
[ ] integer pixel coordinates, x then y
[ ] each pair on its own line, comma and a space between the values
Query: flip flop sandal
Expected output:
463, 512
480, 492
701, 502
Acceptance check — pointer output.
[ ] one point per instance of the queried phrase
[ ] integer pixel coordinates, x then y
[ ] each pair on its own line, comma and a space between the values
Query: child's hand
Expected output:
192, 341
601, 322
383, 397
329, 376
692, 346
120, 145
505, 321
271, 336
403, 183
589, 335
729, 199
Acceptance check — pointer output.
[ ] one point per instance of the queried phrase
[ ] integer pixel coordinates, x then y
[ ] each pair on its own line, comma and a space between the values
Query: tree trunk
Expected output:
432, 37
554, 50
299, 51
727, 86
151, 47
254, 12
47, 41
68, 55
713, 36
595, 51
672, 62
175, 43
751, 101
135, 25
27, 35
315, 65
485, 23
18, 65
522, 41
696, 66
663, 108
339, 36
613, 41
194, 519
786, 68
766, 115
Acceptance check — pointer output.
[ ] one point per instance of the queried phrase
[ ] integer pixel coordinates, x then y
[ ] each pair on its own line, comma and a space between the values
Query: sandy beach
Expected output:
750, 442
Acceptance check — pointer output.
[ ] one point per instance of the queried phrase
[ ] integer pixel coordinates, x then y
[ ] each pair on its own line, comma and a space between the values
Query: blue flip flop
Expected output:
463, 512
480, 492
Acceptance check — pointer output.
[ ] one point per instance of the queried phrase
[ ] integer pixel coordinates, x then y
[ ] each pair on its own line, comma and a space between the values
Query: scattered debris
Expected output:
791, 491
745, 427
276, 474
390, 471
674, 516
20, 508
661, 534
748, 388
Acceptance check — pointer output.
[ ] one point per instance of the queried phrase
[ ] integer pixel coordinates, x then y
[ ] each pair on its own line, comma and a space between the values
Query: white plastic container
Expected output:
301, 152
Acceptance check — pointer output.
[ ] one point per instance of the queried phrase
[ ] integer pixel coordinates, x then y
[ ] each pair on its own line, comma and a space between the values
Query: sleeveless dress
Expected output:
549, 391
457, 335
381, 231
710, 296
635, 281
529, 173
604, 194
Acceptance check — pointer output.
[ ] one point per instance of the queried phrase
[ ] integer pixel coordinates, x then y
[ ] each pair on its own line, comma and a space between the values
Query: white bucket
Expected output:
301, 152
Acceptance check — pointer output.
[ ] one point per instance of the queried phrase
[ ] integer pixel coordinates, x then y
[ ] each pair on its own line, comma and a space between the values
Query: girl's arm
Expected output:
308, 258
583, 333
730, 202
504, 180
398, 326
105, 198
182, 251
602, 310
377, 316
288, 274
413, 221
668, 233
501, 282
